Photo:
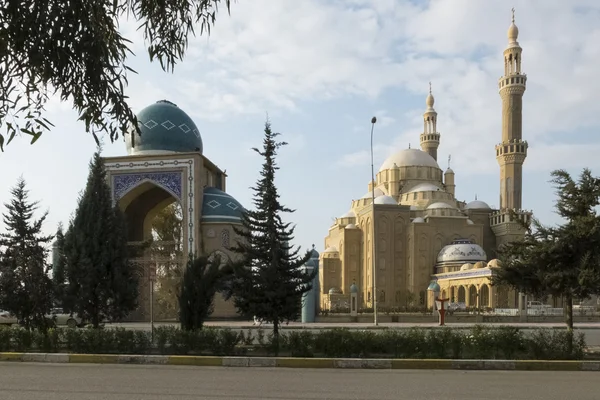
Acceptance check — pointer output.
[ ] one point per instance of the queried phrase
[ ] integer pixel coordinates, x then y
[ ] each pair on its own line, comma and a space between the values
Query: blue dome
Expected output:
164, 128
314, 253
434, 287
353, 288
220, 207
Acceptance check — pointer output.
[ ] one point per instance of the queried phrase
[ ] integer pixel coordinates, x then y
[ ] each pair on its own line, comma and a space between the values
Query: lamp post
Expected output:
373, 268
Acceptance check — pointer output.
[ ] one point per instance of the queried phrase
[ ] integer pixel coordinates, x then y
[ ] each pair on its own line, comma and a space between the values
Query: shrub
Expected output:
482, 342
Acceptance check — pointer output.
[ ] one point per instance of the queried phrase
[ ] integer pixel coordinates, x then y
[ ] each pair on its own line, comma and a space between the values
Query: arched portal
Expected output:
155, 224
462, 296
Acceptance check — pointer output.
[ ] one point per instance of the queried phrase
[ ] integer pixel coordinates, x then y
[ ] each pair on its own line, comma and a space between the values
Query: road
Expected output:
20, 381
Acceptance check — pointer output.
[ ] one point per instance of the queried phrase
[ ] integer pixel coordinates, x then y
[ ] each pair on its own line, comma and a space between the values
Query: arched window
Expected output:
225, 238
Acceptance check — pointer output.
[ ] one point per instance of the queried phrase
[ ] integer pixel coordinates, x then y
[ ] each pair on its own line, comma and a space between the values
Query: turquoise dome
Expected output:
434, 287
220, 207
164, 128
353, 288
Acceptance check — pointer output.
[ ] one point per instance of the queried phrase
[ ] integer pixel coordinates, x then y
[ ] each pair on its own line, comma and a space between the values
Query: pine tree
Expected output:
268, 282
101, 283
25, 287
58, 267
561, 261
202, 279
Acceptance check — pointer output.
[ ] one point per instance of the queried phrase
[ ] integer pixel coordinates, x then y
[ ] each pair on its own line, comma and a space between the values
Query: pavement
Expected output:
25, 381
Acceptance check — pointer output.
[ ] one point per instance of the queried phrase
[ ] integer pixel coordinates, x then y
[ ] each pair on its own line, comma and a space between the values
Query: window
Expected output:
225, 238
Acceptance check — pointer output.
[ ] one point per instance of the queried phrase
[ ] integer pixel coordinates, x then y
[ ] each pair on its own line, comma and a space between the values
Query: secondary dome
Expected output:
409, 158
438, 205
477, 205
385, 200
165, 128
424, 187
368, 195
463, 250
220, 207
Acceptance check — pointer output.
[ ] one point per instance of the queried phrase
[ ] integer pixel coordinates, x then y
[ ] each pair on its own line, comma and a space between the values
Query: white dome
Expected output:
415, 208
418, 220
469, 222
378, 192
461, 251
385, 200
350, 226
477, 205
466, 267
331, 249
409, 158
440, 204
424, 187
349, 214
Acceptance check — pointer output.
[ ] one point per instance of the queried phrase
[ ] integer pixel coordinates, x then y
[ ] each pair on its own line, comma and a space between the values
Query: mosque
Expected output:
166, 165
424, 241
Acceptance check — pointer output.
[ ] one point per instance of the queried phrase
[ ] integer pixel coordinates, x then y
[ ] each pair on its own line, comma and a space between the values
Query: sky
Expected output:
321, 69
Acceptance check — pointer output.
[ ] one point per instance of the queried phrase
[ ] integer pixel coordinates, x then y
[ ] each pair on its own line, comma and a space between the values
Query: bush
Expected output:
479, 342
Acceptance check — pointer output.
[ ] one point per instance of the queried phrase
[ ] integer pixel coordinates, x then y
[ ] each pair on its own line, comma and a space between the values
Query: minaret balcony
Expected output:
515, 82
512, 151
430, 137
507, 221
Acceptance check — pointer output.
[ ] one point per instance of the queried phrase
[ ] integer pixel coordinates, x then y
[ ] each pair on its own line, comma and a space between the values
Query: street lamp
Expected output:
374, 270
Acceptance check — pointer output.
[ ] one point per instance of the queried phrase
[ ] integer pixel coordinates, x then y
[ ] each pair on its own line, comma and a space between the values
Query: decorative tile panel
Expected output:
170, 181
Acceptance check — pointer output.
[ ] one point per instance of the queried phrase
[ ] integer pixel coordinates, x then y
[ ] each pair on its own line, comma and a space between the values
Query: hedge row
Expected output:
480, 342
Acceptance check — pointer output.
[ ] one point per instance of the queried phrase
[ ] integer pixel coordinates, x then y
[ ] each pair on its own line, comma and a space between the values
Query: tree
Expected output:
25, 287
101, 283
58, 267
74, 49
561, 261
268, 282
202, 279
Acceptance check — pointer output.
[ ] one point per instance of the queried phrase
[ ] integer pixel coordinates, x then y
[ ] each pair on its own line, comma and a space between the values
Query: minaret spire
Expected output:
512, 151
430, 138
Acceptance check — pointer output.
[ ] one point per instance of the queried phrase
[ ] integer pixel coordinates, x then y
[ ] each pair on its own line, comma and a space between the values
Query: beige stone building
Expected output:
424, 240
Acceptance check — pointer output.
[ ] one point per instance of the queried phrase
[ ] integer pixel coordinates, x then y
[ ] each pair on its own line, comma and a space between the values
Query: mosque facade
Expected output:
417, 241
166, 165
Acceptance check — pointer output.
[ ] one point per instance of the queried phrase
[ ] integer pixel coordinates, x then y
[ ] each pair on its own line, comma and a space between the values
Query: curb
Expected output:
289, 362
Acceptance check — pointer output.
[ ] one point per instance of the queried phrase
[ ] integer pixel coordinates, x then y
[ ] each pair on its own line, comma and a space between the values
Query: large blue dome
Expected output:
165, 128
220, 207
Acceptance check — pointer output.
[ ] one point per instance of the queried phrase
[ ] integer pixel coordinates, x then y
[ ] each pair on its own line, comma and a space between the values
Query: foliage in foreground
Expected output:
100, 281
479, 342
268, 282
202, 279
561, 261
25, 285
76, 50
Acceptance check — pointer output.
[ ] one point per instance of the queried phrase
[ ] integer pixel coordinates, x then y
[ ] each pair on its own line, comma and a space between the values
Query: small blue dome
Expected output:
164, 128
314, 253
220, 207
434, 287
312, 263
353, 288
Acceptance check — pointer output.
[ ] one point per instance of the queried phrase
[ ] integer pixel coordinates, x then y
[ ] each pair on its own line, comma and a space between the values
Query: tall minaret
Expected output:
511, 152
430, 138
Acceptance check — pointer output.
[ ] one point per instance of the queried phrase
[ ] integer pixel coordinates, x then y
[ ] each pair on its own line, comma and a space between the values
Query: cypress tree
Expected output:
268, 282
101, 283
202, 279
25, 287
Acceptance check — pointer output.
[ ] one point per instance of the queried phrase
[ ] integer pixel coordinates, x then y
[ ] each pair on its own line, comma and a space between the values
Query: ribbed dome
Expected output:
439, 205
409, 158
165, 128
424, 187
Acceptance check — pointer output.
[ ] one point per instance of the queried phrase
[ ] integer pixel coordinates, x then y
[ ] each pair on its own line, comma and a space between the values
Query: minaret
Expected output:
430, 138
512, 151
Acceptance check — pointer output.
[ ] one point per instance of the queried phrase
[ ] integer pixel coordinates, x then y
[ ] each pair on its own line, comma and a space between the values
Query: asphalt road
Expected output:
19, 381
